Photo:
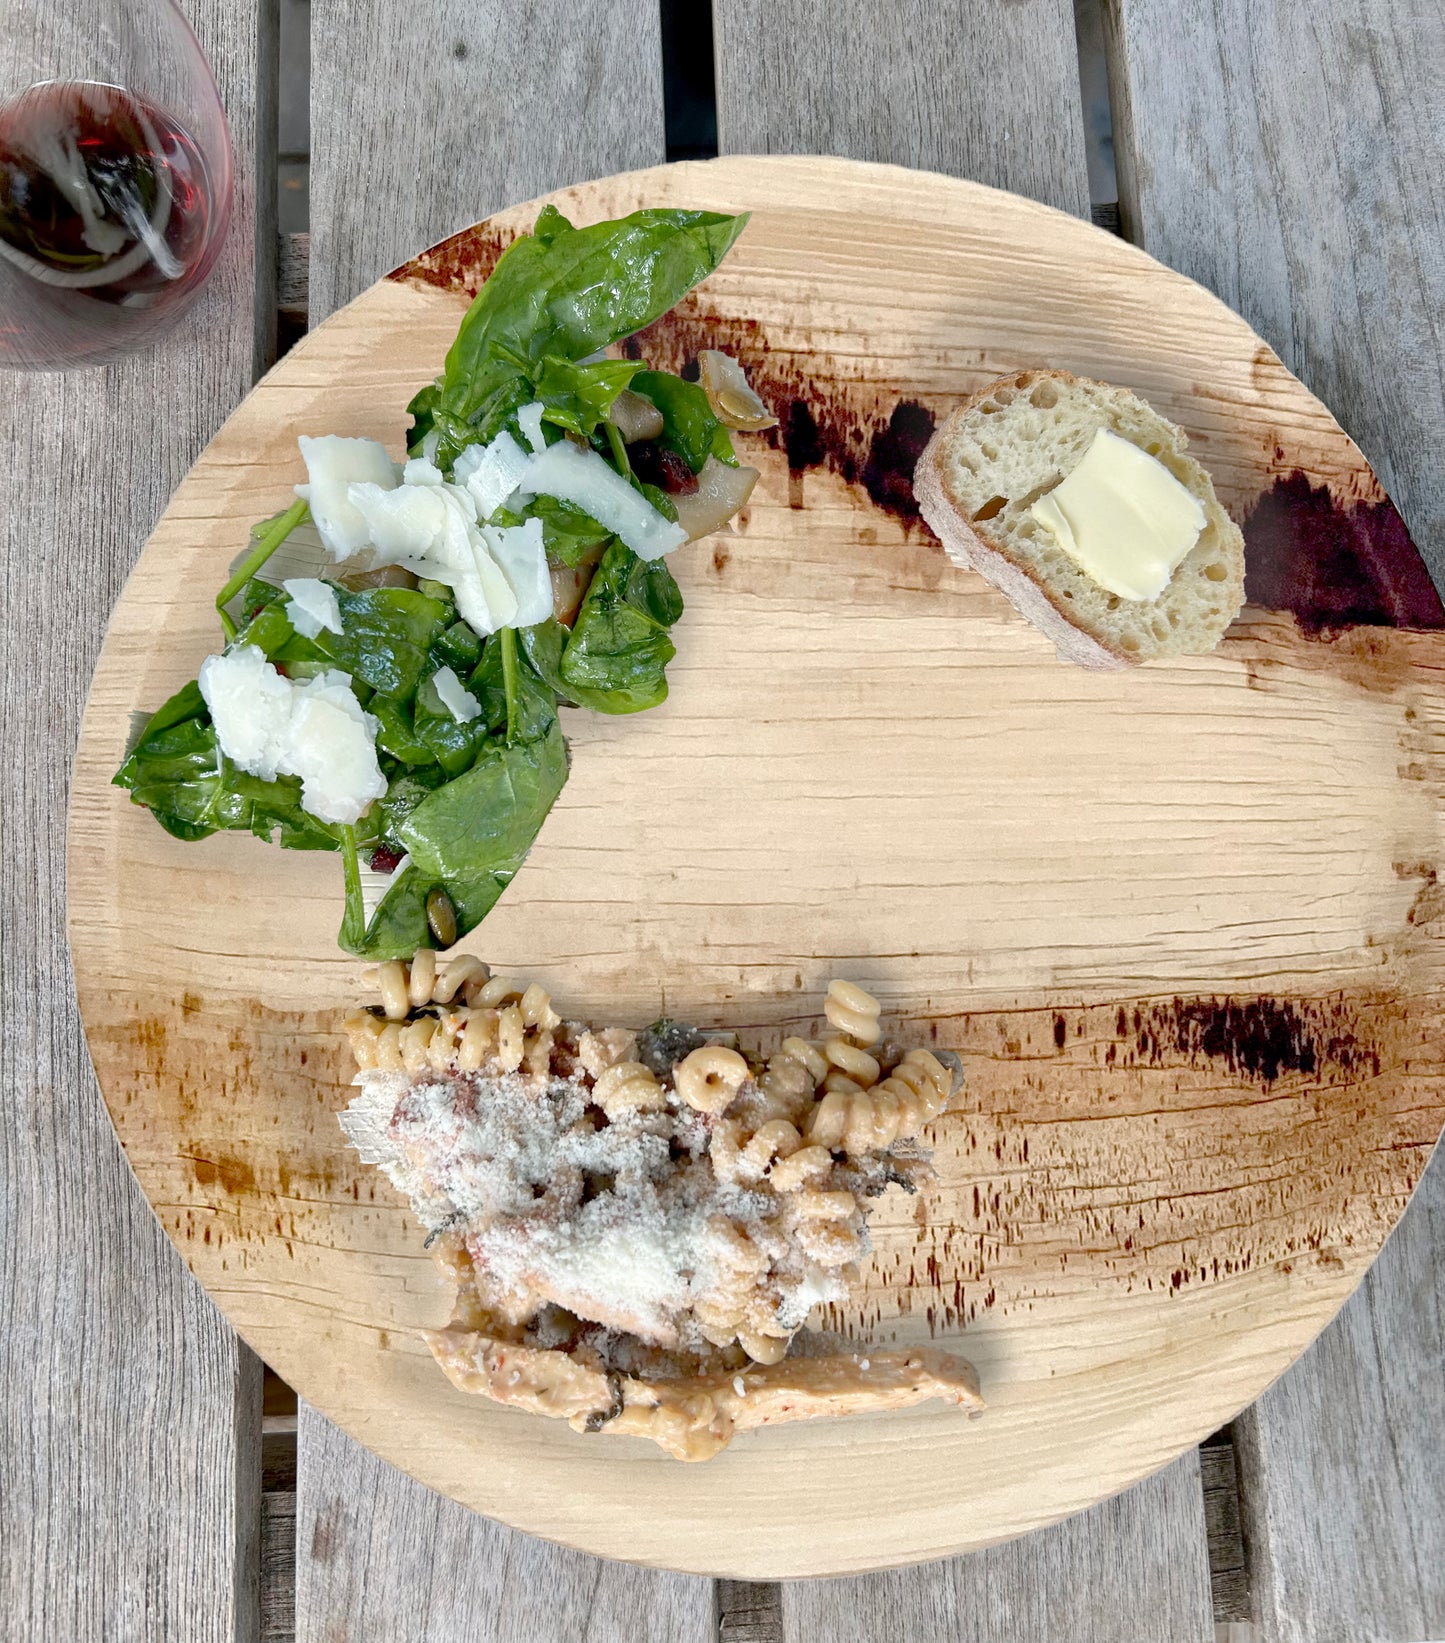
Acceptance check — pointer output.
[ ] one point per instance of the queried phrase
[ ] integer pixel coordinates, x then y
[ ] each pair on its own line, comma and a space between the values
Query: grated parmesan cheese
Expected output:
529, 420
490, 473
521, 553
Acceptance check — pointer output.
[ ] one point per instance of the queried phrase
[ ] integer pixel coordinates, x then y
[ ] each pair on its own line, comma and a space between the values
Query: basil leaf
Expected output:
688, 424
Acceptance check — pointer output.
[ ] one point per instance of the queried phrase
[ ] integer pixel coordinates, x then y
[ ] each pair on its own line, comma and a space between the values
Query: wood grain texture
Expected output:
1134, 1567
427, 118
130, 1414
1198, 1003
384, 1560
1317, 209
975, 88
891, 92
504, 101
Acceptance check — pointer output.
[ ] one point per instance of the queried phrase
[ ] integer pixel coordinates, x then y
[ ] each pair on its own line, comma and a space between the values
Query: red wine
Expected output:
106, 224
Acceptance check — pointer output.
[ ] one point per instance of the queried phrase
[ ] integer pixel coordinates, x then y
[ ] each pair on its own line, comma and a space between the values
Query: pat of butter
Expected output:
1122, 517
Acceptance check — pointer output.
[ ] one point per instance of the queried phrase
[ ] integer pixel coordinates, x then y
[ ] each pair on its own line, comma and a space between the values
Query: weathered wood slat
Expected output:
976, 88
381, 1559
1308, 190
989, 92
426, 119
503, 104
130, 1415
1135, 1567
1342, 1467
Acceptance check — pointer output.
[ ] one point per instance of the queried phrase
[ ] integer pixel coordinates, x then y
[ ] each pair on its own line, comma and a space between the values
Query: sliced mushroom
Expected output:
635, 417
721, 491
731, 395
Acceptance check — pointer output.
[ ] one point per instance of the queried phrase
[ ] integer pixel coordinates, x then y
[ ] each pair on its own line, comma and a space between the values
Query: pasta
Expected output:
780, 1153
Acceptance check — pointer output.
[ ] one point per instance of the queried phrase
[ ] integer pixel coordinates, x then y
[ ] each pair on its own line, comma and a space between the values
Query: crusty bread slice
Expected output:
1012, 443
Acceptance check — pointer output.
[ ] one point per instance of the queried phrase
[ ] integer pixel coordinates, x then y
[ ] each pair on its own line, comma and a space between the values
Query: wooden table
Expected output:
1293, 159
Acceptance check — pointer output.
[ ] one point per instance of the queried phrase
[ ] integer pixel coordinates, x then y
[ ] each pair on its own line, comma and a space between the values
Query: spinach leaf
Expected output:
385, 638
579, 396
568, 292
399, 924
536, 701
179, 773
617, 655
451, 745
688, 425
485, 821
458, 648
568, 534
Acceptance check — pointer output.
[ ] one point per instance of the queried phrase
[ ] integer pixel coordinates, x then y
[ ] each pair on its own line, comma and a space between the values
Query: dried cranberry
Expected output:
384, 859
655, 464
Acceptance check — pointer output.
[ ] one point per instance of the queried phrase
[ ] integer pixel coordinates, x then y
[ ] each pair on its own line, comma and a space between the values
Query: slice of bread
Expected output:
1012, 443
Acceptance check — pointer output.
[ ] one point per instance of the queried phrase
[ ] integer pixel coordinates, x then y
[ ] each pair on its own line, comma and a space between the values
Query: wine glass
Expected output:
115, 178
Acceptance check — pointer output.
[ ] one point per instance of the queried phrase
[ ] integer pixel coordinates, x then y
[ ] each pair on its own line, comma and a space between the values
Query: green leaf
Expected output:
688, 425
615, 658
399, 924
567, 292
458, 648
579, 396
569, 535
179, 772
535, 702
486, 820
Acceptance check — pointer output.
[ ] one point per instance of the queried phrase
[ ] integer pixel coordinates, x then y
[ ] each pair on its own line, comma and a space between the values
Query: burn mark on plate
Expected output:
460, 263
1333, 565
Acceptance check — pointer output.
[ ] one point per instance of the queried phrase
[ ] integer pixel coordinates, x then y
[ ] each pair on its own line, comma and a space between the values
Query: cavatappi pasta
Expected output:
732, 1187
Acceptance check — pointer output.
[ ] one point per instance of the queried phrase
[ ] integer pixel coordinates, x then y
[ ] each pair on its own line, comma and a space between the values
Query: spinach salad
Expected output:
403, 710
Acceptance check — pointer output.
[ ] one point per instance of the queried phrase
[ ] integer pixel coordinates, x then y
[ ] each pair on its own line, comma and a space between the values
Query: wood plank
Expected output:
1134, 1567
1342, 1467
971, 87
1310, 193
380, 1557
426, 119
560, 102
130, 1429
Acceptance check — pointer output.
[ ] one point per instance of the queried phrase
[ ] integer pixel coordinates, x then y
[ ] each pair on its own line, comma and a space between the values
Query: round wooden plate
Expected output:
1182, 921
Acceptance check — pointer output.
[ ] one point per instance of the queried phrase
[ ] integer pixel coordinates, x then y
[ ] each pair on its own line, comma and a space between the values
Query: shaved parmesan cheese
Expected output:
401, 522
456, 698
312, 606
529, 420
333, 465
522, 555
331, 746
491, 473
421, 470
250, 707
571, 474
273, 726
